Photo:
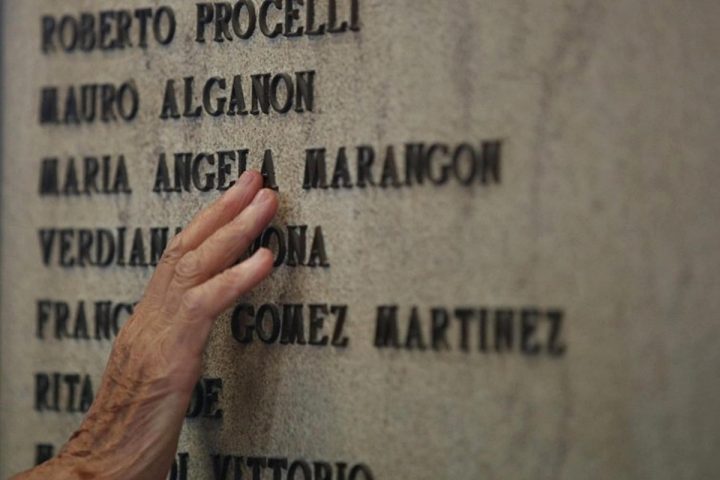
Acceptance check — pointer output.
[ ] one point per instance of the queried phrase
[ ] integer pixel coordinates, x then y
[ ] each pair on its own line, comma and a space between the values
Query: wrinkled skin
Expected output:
131, 431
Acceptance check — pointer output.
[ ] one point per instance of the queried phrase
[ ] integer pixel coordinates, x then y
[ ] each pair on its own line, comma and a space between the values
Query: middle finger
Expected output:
223, 247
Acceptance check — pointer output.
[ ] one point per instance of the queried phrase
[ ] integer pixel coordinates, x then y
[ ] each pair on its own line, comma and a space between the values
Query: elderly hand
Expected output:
131, 431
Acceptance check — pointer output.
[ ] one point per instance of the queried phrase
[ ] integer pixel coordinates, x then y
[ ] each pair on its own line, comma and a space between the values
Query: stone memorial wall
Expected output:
497, 247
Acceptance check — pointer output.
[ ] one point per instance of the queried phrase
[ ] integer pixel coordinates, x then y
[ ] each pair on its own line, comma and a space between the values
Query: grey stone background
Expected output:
608, 209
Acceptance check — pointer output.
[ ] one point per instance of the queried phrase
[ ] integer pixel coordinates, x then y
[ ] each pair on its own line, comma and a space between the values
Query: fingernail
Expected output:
264, 196
262, 251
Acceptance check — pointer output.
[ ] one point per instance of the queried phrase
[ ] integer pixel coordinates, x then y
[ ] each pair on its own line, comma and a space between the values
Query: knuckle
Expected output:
189, 267
176, 242
236, 274
192, 303
214, 244
230, 278
174, 250
230, 282
243, 227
